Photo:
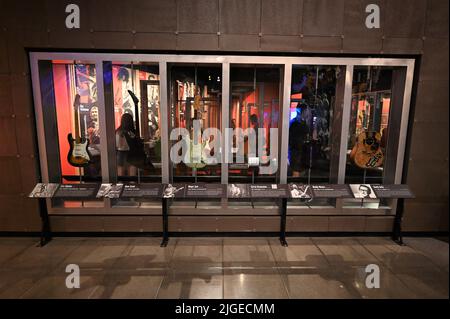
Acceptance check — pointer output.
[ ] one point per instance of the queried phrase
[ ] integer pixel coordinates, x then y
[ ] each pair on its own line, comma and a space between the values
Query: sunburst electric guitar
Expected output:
367, 152
79, 155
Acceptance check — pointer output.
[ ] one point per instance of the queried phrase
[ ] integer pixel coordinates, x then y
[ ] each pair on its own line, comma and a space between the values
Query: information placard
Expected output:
174, 190
205, 190
393, 191
331, 191
142, 191
77, 191
42, 190
268, 191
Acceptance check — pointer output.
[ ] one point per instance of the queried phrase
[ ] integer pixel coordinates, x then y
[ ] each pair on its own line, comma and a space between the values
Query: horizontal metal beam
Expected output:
218, 59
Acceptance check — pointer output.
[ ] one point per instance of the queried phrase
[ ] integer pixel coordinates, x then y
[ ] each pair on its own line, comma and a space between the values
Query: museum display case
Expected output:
298, 122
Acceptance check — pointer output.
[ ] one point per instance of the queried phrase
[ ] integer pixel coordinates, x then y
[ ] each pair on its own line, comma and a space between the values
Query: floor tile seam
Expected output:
18, 253
408, 287
321, 251
415, 250
384, 264
389, 267
35, 284
50, 270
167, 269
67, 256
277, 266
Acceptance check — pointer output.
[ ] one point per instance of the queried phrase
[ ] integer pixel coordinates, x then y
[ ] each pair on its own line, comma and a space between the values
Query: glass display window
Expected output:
195, 97
374, 129
77, 117
254, 104
137, 121
313, 104
369, 124
69, 91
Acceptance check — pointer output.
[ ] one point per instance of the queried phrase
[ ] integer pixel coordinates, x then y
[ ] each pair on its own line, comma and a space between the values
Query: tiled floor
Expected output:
224, 268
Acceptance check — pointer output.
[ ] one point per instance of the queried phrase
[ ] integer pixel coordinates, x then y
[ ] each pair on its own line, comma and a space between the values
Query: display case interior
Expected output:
70, 99
195, 95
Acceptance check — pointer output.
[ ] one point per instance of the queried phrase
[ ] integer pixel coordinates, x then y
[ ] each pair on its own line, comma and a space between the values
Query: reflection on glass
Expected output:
195, 95
254, 104
313, 95
369, 120
137, 114
75, 90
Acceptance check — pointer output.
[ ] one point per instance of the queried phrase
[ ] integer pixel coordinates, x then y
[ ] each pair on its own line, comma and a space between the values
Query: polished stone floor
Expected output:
224, 268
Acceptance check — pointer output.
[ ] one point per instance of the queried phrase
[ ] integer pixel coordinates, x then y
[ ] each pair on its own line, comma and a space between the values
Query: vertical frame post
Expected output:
404, 122
285, 122
283, 222
106, 138
164, 108
225, 119
345, 123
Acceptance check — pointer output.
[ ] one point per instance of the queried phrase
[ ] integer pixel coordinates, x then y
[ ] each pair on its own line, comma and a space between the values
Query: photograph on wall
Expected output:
238, 191
110, 190
362, 191
173, 190
301, 191
42, 190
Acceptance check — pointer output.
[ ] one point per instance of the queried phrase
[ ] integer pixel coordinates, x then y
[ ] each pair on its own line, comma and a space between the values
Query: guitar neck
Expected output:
77, 124
136, 111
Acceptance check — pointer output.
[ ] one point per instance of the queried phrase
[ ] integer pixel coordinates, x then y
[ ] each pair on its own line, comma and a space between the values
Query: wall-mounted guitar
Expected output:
79, 155
137, 155
196, 157
367, 152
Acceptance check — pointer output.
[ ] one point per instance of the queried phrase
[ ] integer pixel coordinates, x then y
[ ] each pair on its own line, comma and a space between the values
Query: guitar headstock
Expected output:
133, 97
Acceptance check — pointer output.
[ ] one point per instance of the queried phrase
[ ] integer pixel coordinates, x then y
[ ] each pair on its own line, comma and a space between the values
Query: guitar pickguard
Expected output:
80, 150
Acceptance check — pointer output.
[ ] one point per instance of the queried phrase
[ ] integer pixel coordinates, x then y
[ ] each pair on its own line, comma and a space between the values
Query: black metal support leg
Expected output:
397, 229
46, 234
283, 222
165, 217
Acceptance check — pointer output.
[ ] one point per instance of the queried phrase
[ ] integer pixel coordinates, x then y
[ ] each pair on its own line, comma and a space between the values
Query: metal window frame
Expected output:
225, 60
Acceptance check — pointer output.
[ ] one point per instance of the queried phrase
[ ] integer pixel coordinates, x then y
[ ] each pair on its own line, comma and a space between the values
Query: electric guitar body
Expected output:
367, 153
79, 155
